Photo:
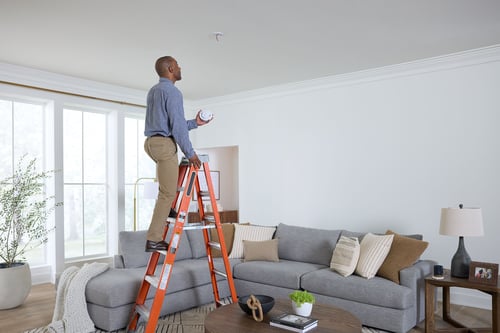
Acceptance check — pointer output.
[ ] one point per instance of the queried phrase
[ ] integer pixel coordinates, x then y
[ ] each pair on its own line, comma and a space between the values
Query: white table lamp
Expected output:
461, 222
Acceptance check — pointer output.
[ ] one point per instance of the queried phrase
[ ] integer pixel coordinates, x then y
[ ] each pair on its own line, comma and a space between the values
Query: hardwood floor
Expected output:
35, 312
38, 308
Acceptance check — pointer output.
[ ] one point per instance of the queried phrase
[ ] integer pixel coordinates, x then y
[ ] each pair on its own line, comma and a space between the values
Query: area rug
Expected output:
189, 321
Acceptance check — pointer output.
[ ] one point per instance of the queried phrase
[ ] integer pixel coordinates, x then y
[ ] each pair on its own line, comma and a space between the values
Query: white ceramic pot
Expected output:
15, 285
304, 309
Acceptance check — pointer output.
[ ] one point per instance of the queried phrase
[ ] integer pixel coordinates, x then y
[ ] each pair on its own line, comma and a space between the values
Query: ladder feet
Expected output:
156, 246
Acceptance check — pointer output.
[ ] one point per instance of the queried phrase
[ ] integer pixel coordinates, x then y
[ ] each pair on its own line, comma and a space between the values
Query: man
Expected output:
165, 128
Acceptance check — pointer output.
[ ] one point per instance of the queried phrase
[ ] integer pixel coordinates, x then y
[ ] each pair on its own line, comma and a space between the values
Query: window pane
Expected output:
94, 147
147, 167
73, 221
131, 150
85, 183
73, 146
28, 131
144, 207
137, 165
95, 219
6, 108
22, 133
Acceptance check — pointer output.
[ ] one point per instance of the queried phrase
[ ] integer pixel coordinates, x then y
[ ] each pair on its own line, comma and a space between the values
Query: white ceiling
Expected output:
265, 42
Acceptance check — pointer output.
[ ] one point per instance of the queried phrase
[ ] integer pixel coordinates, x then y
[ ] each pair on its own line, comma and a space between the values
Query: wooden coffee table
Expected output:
230, 319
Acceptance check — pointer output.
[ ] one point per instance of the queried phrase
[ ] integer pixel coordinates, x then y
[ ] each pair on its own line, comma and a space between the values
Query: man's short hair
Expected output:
163, 63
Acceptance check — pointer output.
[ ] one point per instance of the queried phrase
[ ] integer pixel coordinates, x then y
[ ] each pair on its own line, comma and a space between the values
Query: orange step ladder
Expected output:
187, 183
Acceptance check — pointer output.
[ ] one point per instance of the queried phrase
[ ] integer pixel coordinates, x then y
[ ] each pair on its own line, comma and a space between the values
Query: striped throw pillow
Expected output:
373, 251
251, 233
345, 256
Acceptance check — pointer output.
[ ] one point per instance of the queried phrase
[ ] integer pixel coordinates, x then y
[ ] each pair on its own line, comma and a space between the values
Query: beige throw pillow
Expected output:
373, 251
249, 232
261, 250
345, 255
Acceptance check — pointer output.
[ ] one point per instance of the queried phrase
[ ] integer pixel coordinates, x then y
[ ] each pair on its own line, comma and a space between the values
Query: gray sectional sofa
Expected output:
304, 259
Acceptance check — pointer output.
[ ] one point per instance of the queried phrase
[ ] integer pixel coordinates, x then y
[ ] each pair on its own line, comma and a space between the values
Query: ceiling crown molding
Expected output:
440, 63
40, 79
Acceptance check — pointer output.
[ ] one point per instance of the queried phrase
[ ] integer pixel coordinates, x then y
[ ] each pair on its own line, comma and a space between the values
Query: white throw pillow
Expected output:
251, 233
345, 255
373, 251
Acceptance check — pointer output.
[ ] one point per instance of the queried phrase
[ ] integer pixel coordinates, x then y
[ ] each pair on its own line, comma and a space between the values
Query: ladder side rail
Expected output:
208, 248
168, 264
144, 288
215, 209
183, 168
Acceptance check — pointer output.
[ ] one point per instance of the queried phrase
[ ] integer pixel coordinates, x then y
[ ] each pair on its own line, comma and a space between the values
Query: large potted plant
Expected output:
23, 225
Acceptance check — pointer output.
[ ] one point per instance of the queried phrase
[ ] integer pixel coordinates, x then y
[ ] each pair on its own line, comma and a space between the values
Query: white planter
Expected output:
15, 285
303, 310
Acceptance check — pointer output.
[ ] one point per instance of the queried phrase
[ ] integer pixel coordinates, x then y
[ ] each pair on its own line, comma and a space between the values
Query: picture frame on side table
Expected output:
483, 272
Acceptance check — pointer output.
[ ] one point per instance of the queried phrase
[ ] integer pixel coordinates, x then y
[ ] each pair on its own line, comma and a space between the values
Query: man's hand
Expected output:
201, 122
195, 161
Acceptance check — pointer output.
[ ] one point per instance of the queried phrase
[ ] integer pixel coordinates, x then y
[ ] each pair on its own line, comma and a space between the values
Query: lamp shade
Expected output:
461, 222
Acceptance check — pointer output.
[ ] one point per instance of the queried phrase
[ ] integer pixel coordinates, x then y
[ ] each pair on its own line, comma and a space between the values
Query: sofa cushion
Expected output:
373, 251
249, 232
197, 243
131, 247
285, 274
261, 250
306, 244
117, 287
345, 256
404, 252
376, 291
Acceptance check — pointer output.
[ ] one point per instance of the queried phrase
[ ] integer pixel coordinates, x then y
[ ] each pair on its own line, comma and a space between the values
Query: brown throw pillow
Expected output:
228, 232
260, 250
404, 252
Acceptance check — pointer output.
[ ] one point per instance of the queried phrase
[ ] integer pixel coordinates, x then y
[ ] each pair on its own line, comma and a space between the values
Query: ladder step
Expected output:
197, 226
215, 245
220, 273
143, 311
204, 194
152, 280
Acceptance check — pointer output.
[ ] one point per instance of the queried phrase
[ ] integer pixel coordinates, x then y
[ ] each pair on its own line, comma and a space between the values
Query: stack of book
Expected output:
294, 322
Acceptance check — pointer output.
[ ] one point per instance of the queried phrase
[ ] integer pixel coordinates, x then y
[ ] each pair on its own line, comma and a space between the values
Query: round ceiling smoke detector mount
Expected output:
218, 35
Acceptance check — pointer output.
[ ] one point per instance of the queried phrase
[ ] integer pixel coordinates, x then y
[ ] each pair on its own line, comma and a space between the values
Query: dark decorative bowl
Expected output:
267, 303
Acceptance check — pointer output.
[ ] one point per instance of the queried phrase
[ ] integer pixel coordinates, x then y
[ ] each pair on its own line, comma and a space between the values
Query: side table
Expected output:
448, 282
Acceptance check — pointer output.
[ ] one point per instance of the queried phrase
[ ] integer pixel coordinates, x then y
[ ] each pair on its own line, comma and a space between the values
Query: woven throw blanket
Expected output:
70, 312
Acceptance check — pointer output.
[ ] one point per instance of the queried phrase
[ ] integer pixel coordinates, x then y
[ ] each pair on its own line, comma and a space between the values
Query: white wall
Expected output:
370, 151
225, 160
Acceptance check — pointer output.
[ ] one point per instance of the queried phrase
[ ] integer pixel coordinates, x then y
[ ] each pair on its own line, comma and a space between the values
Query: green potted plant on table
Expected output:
302, 302
23, 226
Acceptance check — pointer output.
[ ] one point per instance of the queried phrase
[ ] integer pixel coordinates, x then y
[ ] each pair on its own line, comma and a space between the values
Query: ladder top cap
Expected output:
203, 158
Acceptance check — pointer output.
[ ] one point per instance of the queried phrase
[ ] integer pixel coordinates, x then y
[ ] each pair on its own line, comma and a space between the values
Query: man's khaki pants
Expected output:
163, 150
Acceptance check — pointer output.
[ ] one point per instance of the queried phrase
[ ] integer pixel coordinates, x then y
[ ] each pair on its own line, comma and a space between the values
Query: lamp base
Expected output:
461, 261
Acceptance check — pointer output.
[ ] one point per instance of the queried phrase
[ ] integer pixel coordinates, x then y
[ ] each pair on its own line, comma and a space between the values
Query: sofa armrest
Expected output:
118, 261
413, 278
